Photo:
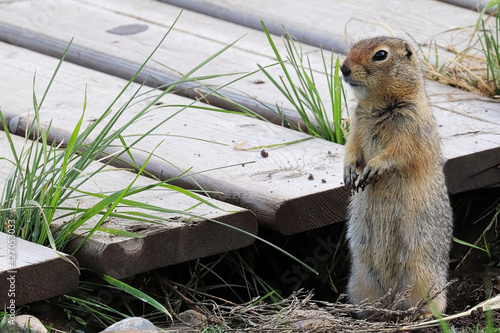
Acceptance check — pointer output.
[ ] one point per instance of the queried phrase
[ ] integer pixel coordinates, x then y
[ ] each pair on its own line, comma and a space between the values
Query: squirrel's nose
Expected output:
345, 69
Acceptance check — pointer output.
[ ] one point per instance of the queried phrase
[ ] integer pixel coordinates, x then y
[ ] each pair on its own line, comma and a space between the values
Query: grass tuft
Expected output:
304, 96
45, 176
490, 46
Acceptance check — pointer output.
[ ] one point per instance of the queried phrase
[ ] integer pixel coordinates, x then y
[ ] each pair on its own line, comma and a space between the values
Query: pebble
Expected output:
132, 324
25, 324
190, 321
192, 318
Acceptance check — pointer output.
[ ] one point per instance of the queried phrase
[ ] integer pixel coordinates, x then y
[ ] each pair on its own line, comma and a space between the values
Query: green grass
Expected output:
304, 95
490, 40
44, 176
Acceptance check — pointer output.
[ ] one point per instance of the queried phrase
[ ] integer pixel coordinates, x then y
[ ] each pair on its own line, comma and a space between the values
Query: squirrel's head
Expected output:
382, 67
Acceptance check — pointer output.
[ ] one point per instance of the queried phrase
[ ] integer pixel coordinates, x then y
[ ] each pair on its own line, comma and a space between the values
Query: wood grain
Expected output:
38, 272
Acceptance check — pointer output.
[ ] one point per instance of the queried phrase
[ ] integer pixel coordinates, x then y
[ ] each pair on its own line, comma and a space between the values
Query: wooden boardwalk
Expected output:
327, 24
113, 38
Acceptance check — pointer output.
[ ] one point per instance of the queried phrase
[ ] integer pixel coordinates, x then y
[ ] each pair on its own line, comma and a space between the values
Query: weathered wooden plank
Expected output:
145, 12
276, 188
121, 55
468, 4
327, 24
30, 272
453, 108
173, 238
200, 31
469, 126
442, 97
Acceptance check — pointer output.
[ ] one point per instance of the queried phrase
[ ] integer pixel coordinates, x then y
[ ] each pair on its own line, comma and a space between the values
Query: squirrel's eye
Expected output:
380, 55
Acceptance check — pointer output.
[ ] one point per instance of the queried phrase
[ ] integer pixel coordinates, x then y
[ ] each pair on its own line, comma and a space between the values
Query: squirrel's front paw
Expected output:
369, 176
350, 176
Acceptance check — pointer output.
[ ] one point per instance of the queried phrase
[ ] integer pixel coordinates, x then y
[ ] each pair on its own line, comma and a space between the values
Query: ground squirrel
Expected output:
400, 219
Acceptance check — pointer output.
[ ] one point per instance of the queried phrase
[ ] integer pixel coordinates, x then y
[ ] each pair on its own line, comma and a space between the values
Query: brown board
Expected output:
172, 237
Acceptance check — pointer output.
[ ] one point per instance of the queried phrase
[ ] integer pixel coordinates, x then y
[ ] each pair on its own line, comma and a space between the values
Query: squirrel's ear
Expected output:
408, 52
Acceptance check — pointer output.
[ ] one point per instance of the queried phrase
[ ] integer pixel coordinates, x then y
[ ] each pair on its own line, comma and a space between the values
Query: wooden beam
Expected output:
329, 24
31, 272
276, 188
172, 238
475, 5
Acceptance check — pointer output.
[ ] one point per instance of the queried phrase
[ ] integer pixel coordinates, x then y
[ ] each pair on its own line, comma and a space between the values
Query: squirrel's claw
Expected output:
366, 178
350, 176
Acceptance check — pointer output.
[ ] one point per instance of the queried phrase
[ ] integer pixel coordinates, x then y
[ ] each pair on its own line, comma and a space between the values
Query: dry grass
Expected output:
301, 313
464, 69
472, 67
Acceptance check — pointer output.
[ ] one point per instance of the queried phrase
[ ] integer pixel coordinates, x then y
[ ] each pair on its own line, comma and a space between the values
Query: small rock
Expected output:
312, 320
311, 176
192, 318
132, 324
25, 324
189, 321
264, 153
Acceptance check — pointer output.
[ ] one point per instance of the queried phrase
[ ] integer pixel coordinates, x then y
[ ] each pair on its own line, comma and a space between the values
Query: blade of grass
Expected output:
137, 294
459, 241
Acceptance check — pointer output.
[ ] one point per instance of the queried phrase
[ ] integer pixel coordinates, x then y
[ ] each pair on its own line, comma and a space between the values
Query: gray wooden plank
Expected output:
173, 238
469, 126
453, 108
276, 188
194, 29
30, 272
121, 55
469, 4
147, 11
327, 24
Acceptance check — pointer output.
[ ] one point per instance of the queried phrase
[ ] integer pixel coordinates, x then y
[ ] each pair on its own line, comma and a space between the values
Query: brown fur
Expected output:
400, 220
